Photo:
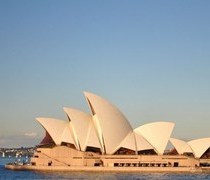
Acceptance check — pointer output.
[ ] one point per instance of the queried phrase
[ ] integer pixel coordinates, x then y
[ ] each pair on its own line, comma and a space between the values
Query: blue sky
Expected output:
149, 58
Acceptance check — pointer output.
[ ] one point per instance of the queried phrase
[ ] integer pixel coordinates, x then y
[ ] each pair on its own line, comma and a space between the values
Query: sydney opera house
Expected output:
105, 139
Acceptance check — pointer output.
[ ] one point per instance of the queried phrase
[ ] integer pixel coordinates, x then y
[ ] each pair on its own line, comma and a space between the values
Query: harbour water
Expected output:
8, 174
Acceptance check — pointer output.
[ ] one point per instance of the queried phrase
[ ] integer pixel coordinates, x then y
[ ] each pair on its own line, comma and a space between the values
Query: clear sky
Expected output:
149, 58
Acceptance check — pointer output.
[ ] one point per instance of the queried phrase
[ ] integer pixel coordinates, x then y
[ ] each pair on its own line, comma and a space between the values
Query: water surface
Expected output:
9, 174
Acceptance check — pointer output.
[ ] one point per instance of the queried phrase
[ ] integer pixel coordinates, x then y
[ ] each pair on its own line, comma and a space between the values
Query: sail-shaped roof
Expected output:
58, 130
142, 143
181, 146
83, 128
93, 140
108, 129
199, 146
114, 126
157, 134
136, 142
129, 142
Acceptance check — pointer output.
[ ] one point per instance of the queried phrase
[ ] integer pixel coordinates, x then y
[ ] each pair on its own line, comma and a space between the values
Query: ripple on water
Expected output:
8, 174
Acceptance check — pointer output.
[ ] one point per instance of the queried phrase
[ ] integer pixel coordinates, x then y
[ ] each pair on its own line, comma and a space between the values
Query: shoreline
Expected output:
108, 169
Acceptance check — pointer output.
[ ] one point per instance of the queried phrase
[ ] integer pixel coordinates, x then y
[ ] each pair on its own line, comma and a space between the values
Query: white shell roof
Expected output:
113, 124
57, 129
199, 146
67, 136
142, 143
83, 128
129, 142
99, 133
157, 134
108, 129
181, 146
93, 140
